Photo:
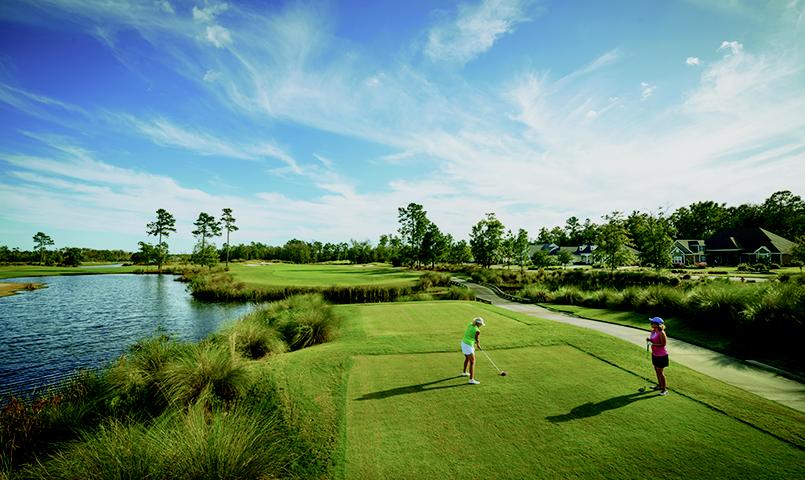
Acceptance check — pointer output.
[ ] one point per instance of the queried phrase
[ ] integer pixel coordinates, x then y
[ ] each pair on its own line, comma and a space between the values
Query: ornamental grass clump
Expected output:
205, 373
195, 444
302, 320
720, 304
776, 317
252, 338
663, 300
568, 296
31, 427
433, 279
458, 293
136, 377
536, 293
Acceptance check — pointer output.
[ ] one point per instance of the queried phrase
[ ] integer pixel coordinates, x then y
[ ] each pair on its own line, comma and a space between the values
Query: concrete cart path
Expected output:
736, 372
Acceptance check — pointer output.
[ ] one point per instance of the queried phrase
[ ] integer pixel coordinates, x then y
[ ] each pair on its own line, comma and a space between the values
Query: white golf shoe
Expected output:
465, 374
473, 381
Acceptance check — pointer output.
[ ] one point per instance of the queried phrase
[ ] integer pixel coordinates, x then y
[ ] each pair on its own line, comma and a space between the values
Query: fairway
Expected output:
570, 407
304, 275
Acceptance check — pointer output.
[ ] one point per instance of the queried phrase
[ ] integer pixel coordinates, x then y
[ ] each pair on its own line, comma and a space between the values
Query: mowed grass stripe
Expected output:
303, 275
561, 414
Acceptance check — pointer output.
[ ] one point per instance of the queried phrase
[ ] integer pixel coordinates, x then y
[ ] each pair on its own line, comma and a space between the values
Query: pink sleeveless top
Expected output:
657, 351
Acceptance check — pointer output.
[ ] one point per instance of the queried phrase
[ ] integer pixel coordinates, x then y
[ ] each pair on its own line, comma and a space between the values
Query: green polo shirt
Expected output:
469, 334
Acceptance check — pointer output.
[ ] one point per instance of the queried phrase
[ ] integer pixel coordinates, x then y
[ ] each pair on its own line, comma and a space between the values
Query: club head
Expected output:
503, 373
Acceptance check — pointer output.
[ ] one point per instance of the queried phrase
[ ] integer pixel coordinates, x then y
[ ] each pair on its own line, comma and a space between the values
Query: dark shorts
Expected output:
659, 362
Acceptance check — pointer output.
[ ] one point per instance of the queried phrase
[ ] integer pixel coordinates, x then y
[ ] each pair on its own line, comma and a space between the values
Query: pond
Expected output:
88, 320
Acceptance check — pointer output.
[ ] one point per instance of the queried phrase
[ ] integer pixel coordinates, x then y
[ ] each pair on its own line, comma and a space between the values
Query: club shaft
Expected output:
490, 360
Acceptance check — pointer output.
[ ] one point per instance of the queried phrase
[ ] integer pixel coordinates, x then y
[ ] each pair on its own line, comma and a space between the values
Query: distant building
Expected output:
747, 245
688, 252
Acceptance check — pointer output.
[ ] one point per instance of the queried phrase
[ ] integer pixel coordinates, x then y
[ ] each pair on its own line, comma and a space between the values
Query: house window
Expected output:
679, 259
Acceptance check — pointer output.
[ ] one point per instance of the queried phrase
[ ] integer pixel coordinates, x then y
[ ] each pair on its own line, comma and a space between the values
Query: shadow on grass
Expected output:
422, 387
590, 409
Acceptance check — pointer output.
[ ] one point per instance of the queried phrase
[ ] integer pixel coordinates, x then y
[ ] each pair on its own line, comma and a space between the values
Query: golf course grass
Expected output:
385, 400
320, 275
17, 271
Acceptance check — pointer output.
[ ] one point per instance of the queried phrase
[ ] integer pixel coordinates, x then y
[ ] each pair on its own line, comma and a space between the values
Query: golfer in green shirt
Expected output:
470, 341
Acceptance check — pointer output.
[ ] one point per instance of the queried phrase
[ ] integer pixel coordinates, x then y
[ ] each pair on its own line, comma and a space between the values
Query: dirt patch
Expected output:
12, 288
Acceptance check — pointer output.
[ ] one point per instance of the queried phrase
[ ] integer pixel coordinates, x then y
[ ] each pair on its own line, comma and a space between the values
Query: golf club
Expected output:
502, 373
648, 388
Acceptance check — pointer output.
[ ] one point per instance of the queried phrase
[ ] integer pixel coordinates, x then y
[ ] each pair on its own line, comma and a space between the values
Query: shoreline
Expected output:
7, 289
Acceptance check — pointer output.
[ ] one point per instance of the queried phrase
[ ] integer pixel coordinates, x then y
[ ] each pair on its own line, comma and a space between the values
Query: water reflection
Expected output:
86, 321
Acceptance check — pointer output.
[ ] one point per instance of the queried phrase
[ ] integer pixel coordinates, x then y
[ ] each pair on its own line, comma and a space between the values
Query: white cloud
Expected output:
211, 76
208, 13
647, 90
693, 61
164, 132
474, 31
734, 47
166, 6
398, 157
219, 36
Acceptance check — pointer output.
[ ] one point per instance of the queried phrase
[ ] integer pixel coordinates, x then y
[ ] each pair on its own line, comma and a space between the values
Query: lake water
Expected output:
88, 320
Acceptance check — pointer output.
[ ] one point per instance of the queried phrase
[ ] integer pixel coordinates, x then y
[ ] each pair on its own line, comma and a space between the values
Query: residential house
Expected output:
748, 245
688, 252
582, 254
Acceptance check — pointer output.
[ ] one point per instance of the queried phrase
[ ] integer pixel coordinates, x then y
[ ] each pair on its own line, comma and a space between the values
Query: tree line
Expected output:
639, 237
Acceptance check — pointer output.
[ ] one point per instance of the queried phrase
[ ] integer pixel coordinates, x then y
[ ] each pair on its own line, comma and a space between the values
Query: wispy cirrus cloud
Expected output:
474, 30
163, 132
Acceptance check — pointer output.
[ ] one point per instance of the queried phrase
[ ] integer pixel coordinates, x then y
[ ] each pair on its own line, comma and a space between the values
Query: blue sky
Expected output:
317, 120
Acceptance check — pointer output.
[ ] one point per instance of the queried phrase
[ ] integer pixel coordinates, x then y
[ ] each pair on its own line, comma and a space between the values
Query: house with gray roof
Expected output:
748, 245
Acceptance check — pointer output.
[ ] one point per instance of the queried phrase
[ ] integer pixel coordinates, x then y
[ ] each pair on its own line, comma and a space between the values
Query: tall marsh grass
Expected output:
204, 373
302, 320
195, 444
222, 287
252, 339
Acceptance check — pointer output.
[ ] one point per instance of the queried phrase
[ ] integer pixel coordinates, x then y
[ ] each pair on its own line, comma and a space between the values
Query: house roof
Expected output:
748, 240
686, 245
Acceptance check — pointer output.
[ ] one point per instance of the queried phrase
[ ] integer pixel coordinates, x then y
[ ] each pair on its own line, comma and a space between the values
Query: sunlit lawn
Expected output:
15, 271
319, 275
387, 399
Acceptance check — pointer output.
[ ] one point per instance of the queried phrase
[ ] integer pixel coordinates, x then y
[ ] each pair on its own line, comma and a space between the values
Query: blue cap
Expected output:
656, 320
